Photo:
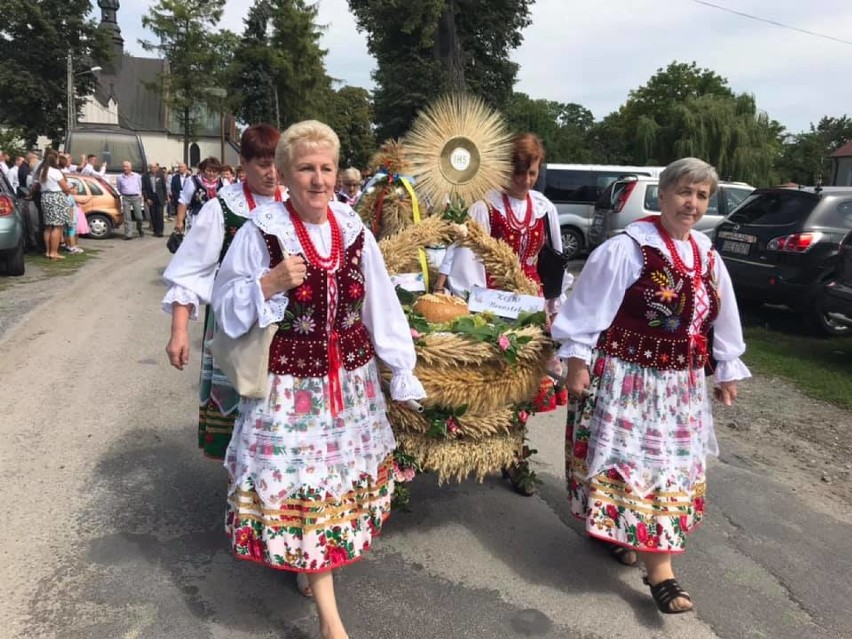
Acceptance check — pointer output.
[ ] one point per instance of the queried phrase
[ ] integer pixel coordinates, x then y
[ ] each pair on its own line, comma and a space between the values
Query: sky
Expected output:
593, 52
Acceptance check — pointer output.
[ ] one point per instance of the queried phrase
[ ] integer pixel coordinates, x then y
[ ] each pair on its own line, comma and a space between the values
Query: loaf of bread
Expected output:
440, 308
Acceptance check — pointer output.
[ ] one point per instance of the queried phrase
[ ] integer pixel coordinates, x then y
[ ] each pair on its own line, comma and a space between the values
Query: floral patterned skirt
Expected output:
218, 400
309, 489
635, 454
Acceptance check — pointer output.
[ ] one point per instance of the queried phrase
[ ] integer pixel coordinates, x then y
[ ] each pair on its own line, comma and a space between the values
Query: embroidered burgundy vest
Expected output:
302, 345
526, 248
651, 327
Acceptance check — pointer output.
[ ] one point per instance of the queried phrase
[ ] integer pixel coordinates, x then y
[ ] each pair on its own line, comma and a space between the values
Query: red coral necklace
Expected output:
250, 197
693, 273
522, 226
335, 258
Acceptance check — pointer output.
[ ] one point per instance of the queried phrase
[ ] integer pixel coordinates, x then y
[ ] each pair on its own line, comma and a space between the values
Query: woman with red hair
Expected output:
525, 219
192, 270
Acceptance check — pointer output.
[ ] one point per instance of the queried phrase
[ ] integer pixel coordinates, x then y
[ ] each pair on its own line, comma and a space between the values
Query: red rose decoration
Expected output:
599, 366
611, 512
613, 474
335, 555
642, 533
256, 549
581, 449
303, 402
699, 504
684, 526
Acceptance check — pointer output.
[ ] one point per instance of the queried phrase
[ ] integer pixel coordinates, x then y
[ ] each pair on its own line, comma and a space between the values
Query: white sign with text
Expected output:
412, 282
503, 303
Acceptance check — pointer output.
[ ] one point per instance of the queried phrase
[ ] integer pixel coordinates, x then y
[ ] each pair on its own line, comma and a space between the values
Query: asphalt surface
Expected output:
116, 529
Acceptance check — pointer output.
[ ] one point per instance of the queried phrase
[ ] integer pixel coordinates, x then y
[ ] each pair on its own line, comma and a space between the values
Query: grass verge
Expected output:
821, 368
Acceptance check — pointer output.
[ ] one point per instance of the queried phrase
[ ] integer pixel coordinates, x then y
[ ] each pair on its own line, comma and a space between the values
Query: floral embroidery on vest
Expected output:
300, 347
651, 327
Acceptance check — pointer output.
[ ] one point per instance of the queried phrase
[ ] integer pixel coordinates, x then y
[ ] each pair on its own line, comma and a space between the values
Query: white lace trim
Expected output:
647, 235
274, 219
575, 349
181, 295
234, 198
405, 386
541, 205
731, 371
271, 310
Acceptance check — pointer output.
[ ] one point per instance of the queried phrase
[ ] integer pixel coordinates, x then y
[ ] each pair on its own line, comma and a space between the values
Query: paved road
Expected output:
116, 529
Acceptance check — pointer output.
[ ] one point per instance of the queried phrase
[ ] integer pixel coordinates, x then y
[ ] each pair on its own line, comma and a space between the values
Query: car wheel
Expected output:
572, 241
824, 324
15, 261
100, 226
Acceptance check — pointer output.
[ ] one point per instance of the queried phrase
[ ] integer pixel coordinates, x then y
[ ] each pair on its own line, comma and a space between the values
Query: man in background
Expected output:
89, 166
176, 186
129, 185
155, 192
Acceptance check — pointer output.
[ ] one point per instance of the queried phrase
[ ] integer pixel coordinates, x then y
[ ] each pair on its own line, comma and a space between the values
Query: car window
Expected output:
76, 183
838, 215
94, 188
652, 200
562, 186
775, 207
734, 197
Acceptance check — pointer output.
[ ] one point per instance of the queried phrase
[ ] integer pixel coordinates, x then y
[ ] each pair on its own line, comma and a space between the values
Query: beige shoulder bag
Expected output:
245, 359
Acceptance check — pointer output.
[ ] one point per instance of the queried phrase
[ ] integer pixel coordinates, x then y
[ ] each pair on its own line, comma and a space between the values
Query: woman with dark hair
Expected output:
190, 278
54, 189
197, 191
525, 219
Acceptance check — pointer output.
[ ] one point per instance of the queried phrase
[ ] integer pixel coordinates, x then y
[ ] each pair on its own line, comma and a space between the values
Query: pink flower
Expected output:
452, 425
303, 402
523, 416
642, 533
503, 342
408, 474
415, 334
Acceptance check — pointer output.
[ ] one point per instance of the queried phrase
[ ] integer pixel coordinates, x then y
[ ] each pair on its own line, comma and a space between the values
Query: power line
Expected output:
773, 22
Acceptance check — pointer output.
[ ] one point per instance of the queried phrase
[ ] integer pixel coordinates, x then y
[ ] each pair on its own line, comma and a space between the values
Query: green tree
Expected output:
279, 69
184, 31
426, 48
806, 157
35, 40
562, 128
351, 116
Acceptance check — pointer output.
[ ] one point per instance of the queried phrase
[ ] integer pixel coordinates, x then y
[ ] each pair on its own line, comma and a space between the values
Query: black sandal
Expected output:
664, 594
619, 553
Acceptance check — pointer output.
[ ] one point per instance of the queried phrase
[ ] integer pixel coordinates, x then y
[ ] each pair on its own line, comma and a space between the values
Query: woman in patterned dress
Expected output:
190, 279
310, 463
517, 215
636, 337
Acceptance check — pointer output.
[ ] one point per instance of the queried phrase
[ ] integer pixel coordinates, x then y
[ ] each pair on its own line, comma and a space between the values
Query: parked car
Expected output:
838, 291
100, 203
574, 189
12, 237
782, 245
631, 198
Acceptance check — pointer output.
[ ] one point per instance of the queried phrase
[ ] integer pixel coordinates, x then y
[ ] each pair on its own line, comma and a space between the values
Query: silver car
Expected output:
632, 198
11, 230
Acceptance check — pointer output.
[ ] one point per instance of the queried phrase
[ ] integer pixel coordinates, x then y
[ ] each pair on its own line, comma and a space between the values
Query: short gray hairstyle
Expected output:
695, 170
350, 175
310, 134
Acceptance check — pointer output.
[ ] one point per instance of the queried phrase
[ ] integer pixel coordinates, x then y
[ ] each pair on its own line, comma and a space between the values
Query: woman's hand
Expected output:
725, 392
577, 378
178, 349
288, 273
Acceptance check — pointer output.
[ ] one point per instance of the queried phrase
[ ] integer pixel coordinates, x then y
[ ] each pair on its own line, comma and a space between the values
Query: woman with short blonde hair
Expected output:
311, 463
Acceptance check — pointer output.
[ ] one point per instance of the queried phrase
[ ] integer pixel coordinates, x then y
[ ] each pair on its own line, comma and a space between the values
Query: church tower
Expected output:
109, 24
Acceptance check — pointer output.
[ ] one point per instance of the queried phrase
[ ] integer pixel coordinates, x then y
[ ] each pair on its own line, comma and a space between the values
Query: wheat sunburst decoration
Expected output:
458, 148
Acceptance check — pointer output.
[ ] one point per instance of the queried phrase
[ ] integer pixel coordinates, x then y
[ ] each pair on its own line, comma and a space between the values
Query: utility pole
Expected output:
69, 89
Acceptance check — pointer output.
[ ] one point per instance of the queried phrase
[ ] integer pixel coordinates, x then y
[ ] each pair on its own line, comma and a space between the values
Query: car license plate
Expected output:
735, 248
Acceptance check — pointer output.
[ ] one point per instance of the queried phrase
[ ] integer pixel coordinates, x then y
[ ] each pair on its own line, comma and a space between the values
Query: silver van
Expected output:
632, 198
574, 189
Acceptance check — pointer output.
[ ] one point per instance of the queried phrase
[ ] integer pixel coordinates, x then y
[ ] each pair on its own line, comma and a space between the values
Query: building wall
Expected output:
93, 112
843, 172
168, 150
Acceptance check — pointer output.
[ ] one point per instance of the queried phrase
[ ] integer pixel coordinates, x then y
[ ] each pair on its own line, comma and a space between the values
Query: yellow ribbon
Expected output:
415, 211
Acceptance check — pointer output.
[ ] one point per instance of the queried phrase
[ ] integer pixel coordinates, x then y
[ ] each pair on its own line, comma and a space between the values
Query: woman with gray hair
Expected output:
350, 191
652, 310
311, 463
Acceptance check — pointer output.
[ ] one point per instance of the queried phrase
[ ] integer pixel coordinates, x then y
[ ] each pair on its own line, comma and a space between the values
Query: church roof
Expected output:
140, 105
844, 151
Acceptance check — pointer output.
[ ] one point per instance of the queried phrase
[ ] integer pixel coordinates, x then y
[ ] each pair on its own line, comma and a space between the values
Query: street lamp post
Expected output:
71, 120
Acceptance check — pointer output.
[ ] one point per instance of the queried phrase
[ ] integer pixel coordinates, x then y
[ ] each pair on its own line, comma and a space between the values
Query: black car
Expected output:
838, 291
781, 247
